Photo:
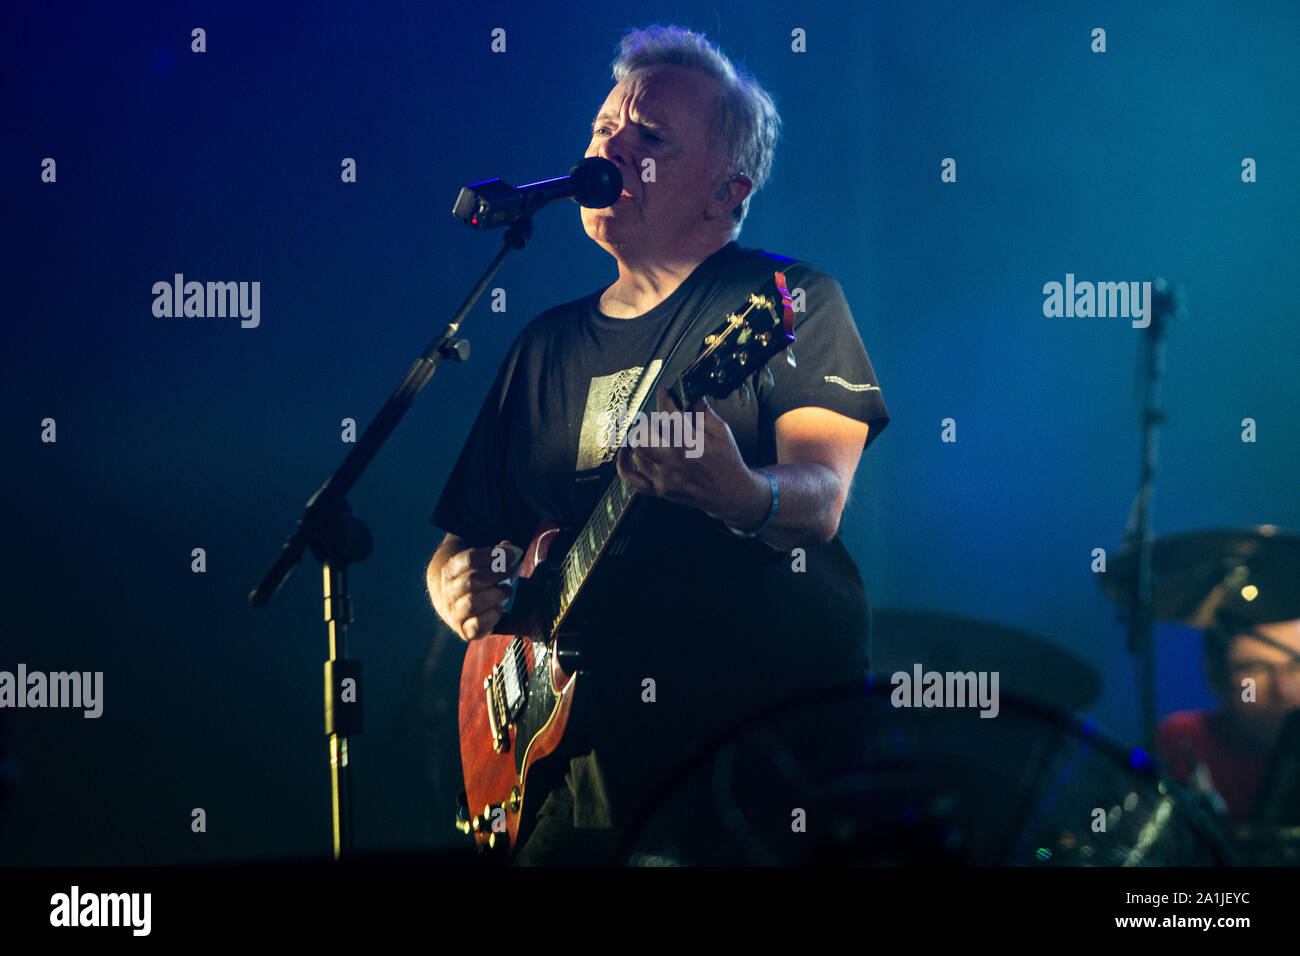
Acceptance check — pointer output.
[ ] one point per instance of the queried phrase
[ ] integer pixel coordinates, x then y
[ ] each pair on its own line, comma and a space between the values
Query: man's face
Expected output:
660, 114
1275, 674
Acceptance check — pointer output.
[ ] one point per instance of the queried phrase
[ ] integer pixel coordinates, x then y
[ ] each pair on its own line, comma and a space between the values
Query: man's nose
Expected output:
615, 148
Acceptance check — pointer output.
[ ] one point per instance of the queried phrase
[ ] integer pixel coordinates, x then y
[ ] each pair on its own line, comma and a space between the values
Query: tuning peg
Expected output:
768, 380
462, 814
745, 394
789, 357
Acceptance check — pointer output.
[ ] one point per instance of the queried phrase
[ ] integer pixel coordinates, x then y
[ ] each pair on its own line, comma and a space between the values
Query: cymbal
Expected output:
1032, 666
1248, 574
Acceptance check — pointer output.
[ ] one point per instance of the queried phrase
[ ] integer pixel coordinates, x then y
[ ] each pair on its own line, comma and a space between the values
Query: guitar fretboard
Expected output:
594, 538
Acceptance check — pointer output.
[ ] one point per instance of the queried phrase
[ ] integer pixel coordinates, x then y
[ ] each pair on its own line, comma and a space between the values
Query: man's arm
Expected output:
817, 454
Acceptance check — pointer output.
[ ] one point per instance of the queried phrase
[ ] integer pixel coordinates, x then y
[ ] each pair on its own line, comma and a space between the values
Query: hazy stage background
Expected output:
183, 433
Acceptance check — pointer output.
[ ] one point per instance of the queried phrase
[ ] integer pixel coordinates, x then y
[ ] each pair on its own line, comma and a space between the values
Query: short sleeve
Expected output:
831, 367
479, 503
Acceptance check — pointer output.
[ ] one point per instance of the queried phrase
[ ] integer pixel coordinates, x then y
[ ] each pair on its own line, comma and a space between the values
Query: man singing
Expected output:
735, 590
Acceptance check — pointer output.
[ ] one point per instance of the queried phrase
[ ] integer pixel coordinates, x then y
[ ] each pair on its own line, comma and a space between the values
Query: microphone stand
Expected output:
1137, 536
338, 538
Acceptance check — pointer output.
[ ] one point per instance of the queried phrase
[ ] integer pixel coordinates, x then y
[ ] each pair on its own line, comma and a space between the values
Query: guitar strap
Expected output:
729, 291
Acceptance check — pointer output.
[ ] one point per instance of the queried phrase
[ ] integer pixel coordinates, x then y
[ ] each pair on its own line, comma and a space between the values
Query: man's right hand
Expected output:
469, 585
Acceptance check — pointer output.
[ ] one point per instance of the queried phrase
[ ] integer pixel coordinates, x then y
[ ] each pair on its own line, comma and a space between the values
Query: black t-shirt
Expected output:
722, 624
535, 452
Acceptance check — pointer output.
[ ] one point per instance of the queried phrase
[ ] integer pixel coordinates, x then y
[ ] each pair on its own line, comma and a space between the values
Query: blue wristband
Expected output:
771, 512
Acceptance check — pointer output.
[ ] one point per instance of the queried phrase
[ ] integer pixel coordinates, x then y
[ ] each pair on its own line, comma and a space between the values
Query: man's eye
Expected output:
645, 134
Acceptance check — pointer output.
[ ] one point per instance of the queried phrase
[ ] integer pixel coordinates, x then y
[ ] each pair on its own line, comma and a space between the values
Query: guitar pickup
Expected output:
497, 724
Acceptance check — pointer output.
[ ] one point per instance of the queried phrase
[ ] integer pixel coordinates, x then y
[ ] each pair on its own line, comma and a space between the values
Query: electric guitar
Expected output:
517, 686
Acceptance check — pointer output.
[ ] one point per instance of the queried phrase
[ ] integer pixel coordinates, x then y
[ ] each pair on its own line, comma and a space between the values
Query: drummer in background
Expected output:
1224, 751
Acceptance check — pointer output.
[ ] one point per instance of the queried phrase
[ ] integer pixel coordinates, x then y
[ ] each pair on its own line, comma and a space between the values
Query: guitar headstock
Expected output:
742, 344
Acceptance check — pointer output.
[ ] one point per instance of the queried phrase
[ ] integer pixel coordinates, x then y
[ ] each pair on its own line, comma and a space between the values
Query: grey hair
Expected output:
747, 124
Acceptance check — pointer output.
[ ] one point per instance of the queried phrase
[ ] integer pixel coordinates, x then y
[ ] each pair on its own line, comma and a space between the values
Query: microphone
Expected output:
593, 182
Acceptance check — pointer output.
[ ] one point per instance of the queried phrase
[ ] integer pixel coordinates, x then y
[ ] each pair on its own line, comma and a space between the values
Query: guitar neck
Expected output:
591, 543
597, 534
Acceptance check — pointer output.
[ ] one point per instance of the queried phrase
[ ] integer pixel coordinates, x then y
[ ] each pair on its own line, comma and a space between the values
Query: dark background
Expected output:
181, 433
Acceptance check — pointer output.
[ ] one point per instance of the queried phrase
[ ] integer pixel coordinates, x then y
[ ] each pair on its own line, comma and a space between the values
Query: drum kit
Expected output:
1040, 785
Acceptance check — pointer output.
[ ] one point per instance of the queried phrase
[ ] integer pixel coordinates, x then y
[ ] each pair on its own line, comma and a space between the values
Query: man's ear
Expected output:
724, 191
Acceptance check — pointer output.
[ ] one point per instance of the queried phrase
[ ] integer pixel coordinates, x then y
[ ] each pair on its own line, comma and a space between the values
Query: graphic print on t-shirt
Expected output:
610, 405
